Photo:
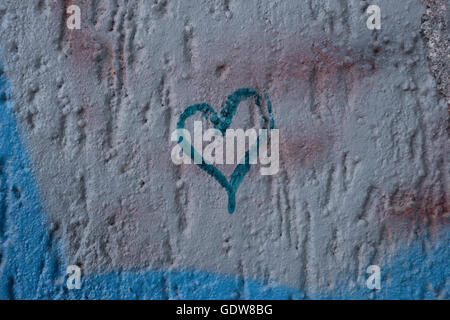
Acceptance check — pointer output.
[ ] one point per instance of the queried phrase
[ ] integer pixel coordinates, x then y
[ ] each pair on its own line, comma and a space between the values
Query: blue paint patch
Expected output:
420, 270
28, 262
177, 285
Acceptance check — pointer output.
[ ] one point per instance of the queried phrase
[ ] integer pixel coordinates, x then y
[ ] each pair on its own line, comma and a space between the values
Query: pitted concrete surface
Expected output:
363, 120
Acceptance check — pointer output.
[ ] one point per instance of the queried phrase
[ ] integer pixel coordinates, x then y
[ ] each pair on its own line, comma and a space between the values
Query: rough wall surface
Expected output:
86, 175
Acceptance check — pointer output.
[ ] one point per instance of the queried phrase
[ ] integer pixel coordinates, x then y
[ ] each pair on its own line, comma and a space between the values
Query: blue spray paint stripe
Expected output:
28, 262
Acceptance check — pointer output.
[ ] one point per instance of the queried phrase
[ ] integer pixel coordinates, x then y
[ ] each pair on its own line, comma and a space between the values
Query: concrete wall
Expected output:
86, 176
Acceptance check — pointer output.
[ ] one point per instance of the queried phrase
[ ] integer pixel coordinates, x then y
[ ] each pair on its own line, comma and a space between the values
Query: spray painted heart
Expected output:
222, 123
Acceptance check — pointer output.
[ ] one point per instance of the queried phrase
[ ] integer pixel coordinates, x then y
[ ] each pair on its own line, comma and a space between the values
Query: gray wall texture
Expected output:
363, 122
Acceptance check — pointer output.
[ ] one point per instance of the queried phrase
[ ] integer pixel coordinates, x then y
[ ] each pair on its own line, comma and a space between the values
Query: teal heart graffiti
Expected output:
222, 123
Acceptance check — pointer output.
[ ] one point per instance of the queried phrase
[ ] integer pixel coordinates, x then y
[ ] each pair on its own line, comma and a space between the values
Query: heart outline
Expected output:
222, 123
